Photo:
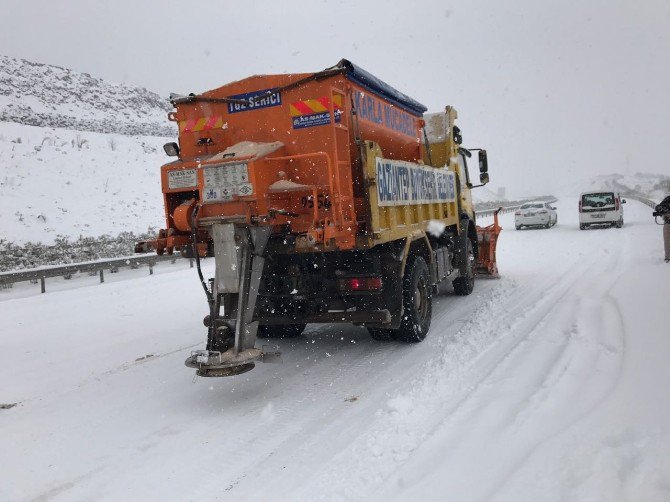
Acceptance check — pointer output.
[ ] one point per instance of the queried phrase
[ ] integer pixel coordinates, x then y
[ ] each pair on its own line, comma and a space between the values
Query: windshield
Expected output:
532, 206
598, 199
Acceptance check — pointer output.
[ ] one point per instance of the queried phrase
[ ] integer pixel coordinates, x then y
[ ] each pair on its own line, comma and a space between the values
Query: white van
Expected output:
600, 208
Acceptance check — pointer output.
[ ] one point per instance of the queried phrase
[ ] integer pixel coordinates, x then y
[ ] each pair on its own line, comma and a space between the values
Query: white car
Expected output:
600, 208
535, 214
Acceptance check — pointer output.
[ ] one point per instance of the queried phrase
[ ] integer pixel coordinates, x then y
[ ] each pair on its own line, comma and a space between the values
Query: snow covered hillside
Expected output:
648, 185
49, 96
549, 384
78, 156
71, 183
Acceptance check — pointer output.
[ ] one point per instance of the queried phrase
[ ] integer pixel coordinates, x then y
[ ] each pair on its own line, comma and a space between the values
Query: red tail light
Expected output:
354, 284
617, 204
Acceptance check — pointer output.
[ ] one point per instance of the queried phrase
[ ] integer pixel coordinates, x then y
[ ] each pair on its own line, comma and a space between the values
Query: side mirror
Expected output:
623, 201
484, 178
171, 149
483, 162
456, 133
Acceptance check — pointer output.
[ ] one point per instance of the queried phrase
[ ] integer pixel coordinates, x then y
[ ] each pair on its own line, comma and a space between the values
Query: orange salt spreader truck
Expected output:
324, 198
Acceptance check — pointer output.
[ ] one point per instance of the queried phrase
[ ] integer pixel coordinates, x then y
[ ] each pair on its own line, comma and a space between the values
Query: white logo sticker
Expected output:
182, 178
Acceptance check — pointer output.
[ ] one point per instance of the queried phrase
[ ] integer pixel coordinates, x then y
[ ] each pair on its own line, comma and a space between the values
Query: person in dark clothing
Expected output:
663, 210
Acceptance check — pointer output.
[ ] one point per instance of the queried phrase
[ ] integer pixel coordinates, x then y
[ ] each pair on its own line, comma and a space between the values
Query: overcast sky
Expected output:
555, 90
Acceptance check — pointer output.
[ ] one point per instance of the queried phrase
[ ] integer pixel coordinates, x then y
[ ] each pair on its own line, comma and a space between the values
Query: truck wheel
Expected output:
280, 330
464, 285
582, 226
382, 334
417, 300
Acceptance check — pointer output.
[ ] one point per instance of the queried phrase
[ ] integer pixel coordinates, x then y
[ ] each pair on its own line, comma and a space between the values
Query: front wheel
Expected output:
417, 300
464, 284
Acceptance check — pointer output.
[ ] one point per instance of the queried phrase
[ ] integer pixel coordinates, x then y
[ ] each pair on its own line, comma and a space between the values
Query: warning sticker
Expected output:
244, 189
224, 181
183, 178
314, 112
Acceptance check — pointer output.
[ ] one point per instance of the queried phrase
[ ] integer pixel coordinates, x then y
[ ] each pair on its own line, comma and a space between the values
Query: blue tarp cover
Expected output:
370, 82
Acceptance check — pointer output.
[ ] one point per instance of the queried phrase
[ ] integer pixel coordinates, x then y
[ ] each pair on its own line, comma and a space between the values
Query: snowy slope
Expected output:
64, 182
548, 384
78, 156
49, 96
649, 185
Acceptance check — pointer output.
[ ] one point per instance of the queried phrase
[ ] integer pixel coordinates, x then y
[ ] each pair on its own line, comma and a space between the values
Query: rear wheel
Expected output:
464, 284
417, 302
280, 330
619, 223
582, 226
518, 227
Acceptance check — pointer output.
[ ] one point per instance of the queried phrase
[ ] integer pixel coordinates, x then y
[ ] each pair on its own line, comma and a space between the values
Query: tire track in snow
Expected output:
483, 411
344, 373
589, 377
295, 424
411, 417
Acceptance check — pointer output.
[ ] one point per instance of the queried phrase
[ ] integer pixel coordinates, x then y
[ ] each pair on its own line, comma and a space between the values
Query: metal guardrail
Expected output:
509, 209
92, 268
99, 267
647, 202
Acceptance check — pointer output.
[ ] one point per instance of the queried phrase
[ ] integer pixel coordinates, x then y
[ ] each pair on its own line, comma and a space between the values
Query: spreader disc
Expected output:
225, 371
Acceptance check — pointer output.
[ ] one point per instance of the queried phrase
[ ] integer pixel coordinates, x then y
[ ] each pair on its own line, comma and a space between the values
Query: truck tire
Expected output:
280, 330
464, 284
417, 302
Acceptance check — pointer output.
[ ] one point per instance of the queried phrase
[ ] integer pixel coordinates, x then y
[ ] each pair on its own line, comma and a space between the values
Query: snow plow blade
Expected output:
487, 238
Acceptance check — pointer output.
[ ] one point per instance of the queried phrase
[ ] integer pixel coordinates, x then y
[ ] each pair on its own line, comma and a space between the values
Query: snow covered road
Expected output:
548, 384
